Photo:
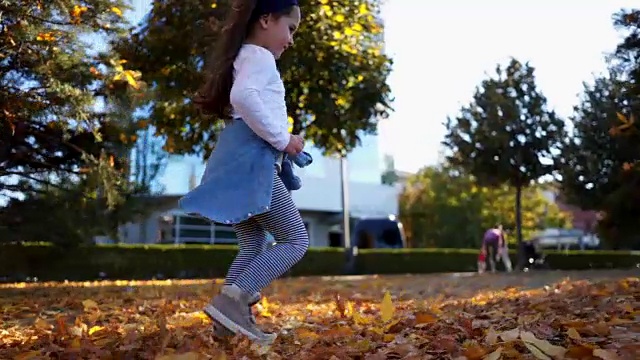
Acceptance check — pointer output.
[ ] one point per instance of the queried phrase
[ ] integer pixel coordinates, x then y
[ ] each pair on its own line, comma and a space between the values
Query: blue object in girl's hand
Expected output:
302, 159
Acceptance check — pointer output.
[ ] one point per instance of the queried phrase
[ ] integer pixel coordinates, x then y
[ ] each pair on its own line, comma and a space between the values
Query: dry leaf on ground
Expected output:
541, 315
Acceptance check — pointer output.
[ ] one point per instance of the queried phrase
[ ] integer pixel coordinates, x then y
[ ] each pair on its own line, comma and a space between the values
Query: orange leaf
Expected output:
475, 352
425, 318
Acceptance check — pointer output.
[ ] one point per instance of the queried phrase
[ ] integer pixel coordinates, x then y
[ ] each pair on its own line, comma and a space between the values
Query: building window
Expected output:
192, 229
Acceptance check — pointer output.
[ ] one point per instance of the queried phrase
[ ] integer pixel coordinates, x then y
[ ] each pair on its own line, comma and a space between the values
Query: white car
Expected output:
563, 239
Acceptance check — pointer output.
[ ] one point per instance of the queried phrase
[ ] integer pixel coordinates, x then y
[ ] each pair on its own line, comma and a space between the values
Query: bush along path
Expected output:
543, 315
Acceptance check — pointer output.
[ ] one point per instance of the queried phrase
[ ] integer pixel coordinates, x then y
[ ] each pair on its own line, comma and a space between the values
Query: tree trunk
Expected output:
521, 259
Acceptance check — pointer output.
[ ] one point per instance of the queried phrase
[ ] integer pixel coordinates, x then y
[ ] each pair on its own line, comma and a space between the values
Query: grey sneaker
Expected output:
222, 332
230, 310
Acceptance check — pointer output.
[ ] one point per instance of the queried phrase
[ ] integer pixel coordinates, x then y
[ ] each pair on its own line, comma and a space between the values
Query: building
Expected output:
584, 220
319, 200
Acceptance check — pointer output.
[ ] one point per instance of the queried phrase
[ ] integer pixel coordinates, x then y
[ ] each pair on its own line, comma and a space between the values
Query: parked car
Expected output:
564, 239
379, 232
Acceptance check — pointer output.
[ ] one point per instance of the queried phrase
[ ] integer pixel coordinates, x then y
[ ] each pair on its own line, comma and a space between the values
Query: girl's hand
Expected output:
295, 146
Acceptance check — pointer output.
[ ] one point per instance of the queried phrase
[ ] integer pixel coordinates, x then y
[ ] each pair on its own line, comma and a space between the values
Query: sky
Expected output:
443, 49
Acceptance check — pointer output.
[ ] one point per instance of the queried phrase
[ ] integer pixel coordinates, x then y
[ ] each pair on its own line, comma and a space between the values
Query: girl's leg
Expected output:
284, 222
506, 260
492, 252
252, 240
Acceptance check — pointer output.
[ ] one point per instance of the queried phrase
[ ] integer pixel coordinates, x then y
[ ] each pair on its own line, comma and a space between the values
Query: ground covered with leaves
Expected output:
541, 315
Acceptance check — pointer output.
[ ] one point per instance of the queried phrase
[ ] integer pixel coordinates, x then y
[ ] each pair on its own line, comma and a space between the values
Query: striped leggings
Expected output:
257, 265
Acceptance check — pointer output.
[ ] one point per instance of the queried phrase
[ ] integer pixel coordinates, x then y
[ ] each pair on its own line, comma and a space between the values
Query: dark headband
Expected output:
264, 7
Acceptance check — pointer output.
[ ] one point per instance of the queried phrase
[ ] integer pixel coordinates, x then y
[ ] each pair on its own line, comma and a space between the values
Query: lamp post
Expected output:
346, 218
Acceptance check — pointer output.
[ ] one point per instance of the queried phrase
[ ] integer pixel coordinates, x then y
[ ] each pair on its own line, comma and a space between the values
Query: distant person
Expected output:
482, 260
243, 184
493, 242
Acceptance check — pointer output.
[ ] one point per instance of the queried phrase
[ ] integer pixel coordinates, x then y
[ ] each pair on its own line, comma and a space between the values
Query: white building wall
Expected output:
320, 181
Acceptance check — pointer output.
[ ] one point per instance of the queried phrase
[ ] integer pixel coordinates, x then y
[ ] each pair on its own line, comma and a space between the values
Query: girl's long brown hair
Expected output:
213, 97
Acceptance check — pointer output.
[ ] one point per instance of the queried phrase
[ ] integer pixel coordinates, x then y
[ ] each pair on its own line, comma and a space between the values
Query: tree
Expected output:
626, 58
57, 96
389, 175
335, 74
441, 207
599, 164
506, 135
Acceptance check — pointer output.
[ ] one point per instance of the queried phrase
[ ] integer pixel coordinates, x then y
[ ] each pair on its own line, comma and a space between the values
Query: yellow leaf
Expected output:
116, 11
386, 308
389, 337
89, 305
306, 334
42, 324
622, 118
573, 334
391, 324
627, 122
363, 9
359, 319
95, 329
339, 18
131, 79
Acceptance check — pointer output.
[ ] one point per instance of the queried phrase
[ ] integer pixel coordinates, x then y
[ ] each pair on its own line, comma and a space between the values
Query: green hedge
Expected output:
46, 262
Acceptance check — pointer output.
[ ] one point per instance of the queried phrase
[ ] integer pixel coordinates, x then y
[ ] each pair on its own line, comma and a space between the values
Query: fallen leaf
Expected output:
579, 351
492, 337
605, 354
386, 308
495, 355
306, 334
42, 324
89, 305
545, 346
95, 329
475, 352
29, 355
425, 318
183, 356
510, 335
573, 334
434, 317
536, 352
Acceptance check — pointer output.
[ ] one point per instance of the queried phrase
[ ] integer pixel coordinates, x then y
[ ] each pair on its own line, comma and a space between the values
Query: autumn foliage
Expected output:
535, 316
600, 162
58, 95
335, 74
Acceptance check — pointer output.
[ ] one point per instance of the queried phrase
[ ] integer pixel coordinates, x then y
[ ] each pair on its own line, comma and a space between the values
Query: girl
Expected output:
482, 258
241, 185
